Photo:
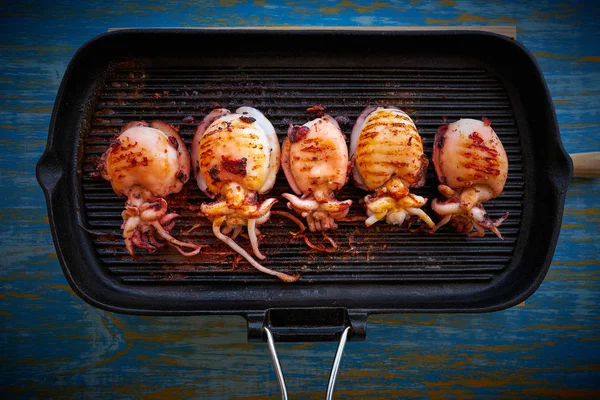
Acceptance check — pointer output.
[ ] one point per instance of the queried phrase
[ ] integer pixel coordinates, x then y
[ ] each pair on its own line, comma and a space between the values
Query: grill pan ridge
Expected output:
383, 268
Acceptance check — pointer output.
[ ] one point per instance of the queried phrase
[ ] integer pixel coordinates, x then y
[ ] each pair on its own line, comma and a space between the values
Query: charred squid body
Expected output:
146, 163
471, 165
315, 162
387, 153
236, 158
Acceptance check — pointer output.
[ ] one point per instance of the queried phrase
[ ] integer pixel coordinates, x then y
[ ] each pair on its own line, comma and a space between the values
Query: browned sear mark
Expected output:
296, 132
247, 120
173, 142
476, 139
214, 173
115, 143
181, 176
236, 167
440, 138
478, 142
99, 163
311, 148
487, 169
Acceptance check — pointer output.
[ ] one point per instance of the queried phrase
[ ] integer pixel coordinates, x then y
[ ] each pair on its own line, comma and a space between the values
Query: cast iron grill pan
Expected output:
382, 252
175, 75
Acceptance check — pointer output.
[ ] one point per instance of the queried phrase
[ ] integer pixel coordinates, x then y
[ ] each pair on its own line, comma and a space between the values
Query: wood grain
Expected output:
507, 30
56, 346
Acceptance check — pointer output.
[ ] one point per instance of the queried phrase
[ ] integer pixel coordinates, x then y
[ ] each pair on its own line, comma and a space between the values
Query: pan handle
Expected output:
276, 364
334, 367
306, 324
586, 165
336, 363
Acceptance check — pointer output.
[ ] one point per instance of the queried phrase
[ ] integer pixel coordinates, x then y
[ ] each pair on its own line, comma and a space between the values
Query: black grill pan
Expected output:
173, 75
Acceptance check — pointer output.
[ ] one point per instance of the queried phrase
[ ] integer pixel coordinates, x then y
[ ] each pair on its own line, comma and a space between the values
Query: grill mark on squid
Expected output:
388, 126
395, 137
373, 157
480, 158
386, 115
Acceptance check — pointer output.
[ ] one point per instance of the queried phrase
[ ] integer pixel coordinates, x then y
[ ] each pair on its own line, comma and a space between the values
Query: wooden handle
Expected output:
586, 165
506, 30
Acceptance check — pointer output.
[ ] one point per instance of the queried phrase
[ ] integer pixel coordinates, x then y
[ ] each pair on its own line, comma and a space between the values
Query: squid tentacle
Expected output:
264, 218
162, 232
140, 240
372, 219
443, 222
395, 211
246, 212
137, 221
236, 232
301, 204
164, 221
169, 227
421, 214
130, 247
153, 211
320, 215
238, 249
395, 218
479, 231
253, 239
262, 209
335, 206
215, 209
464, 221
155, 241
129, 227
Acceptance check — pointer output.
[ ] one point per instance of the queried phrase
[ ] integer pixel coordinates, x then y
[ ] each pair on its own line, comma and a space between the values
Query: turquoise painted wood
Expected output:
55, 345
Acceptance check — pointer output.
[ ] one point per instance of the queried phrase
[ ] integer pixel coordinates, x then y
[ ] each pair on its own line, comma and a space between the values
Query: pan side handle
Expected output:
586, 165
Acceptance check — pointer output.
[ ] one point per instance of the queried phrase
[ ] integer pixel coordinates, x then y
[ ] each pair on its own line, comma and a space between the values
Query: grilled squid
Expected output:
388, 158
472, 167
146, 163
315, 162
236, 157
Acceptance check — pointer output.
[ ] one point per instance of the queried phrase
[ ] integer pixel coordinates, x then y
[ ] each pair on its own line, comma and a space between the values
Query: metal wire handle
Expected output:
336, 363
278, 370
334, 368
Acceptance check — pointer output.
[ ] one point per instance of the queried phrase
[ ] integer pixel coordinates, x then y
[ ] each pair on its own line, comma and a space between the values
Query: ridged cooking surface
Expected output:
382, 252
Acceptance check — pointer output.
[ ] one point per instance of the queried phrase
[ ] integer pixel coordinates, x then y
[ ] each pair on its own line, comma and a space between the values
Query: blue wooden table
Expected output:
55, 345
